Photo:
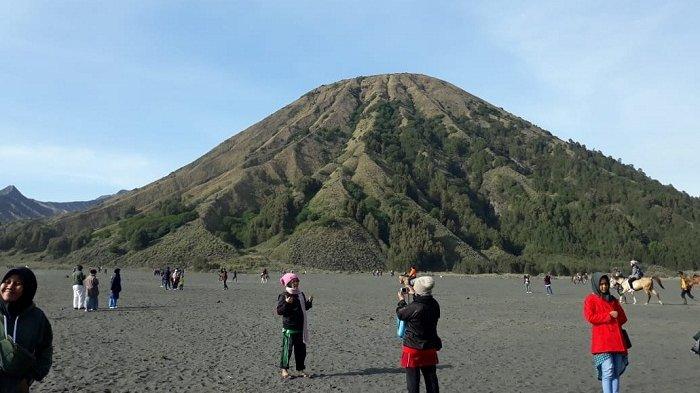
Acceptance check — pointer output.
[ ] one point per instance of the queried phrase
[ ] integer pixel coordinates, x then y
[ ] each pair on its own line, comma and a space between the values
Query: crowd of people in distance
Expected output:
86, 289
171, 279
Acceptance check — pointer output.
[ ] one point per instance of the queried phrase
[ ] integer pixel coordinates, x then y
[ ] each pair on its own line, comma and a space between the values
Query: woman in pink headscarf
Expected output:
292, 305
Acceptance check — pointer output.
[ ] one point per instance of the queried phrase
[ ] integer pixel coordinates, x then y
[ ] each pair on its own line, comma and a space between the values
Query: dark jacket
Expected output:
637, 272
78, 277
33, 331
116, 284
421, 318
292, 315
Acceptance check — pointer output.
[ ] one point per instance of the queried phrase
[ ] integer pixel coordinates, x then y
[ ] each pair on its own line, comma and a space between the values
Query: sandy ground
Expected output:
496, 338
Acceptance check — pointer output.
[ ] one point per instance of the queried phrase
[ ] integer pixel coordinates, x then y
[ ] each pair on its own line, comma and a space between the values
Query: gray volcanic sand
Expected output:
204, 339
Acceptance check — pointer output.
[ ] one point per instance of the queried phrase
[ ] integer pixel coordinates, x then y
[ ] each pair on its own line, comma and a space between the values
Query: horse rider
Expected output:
637, 273
412, 274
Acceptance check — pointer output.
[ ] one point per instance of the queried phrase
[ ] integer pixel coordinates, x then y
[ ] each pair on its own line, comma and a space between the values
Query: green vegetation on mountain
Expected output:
383, 172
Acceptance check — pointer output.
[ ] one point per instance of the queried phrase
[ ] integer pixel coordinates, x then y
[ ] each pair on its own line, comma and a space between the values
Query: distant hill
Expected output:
15, 206
385, 171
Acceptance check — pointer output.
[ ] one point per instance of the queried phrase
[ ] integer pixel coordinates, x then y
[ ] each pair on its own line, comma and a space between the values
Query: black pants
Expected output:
295, 342
429, 375
686, 292
225, 286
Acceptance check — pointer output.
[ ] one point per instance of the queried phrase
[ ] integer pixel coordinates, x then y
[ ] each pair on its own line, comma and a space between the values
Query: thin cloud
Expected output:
79, 164
616, 76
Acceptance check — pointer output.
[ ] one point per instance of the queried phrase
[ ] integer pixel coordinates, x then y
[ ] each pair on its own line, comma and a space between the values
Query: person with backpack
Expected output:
115, 287
92, 287
26, 338
609, 342
78, 288
420, 340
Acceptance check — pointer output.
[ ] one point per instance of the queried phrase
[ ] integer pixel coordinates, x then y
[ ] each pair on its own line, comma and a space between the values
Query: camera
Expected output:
404, 290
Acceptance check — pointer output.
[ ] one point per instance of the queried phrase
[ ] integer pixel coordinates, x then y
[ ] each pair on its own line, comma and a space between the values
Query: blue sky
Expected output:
101, 96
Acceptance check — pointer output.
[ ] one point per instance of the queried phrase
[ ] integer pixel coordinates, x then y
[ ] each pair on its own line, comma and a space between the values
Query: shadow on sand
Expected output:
79, 313
374, 371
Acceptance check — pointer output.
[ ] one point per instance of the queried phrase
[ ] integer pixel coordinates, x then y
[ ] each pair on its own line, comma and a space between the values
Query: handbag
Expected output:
400, 328
14, 359
626, 339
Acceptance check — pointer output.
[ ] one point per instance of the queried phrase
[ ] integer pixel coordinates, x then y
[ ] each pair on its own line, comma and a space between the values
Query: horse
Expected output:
645, 283
584, 278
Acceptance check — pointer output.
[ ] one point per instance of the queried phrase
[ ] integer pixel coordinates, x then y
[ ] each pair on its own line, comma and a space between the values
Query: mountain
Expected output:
15, 206
386, 171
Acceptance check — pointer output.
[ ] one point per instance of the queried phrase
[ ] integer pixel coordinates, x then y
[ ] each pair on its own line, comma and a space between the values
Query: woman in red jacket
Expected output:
606, 316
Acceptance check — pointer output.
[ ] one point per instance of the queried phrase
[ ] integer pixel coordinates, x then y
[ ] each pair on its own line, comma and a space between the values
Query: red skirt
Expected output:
411, 357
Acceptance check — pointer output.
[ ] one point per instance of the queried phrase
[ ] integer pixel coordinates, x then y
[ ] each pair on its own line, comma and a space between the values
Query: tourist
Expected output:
175, 279
264, 276
28, 329
292, 305
686, 286
548, 284
115, 286
420, 340
526, 283
608, 340
92, 287
223, 276
412, 274
234, 277
637, 273
180, 280
166, 278
78, 288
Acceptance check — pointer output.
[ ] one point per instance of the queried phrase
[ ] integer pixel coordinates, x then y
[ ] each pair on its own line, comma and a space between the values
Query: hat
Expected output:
287, 278
423, 285
633, 262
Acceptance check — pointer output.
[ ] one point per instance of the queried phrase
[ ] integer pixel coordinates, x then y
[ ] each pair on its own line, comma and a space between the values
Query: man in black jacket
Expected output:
420, 342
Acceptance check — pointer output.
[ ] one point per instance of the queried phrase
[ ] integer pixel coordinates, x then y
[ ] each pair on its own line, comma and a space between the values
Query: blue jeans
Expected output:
112, 302
610, 376
548, 289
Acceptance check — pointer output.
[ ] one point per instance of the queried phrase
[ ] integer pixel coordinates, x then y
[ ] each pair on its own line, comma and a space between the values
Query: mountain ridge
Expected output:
15, 206
386, 170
